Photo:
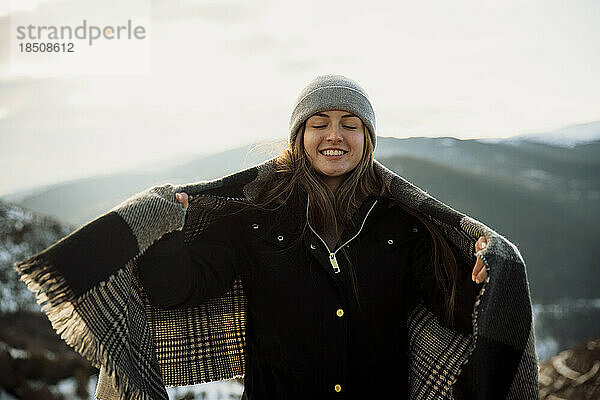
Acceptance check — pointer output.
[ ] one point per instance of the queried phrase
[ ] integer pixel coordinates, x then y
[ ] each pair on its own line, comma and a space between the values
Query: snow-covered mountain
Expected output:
23, 234
34, 362
568, 136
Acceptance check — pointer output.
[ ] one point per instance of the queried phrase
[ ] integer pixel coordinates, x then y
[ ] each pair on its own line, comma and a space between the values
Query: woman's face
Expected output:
334, 142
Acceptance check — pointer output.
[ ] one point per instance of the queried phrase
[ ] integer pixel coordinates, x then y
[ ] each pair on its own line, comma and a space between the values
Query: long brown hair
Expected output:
334, 210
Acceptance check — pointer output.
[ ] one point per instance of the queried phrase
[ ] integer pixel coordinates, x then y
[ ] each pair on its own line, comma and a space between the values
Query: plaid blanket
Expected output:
86, 284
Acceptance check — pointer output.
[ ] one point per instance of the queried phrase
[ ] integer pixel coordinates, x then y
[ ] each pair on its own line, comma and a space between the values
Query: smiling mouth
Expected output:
329, 152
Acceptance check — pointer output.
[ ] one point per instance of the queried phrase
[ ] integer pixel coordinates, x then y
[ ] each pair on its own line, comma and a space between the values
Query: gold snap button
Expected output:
337, 388
415, 230
339, 312
255, 226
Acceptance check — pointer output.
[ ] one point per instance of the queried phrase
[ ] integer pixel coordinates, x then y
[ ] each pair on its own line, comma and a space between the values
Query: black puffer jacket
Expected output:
309, 333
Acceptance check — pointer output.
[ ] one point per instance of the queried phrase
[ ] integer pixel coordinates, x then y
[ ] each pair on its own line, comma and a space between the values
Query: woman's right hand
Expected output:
182, 198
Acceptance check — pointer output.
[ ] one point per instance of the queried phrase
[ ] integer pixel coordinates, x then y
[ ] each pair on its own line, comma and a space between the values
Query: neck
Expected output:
333, 182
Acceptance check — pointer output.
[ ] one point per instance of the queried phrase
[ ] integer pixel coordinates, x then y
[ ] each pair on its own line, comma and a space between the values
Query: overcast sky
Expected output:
226, 73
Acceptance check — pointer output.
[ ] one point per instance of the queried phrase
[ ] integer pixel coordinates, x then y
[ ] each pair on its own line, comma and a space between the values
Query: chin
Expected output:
331, 174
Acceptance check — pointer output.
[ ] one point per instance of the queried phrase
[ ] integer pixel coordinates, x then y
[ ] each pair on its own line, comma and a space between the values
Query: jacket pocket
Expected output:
391, 236
268, 234
277, 248
276, 228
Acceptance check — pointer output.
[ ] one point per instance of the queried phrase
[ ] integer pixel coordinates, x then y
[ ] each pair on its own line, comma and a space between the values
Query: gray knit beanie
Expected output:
332, 92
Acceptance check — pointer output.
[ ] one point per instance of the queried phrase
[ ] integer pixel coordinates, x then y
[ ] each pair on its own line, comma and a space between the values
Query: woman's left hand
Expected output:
479, 273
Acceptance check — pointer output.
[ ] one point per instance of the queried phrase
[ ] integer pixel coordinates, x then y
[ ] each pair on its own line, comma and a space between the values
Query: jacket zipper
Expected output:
332, 259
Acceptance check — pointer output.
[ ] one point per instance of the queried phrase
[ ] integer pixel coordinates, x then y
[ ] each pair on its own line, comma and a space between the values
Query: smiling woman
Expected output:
317, 274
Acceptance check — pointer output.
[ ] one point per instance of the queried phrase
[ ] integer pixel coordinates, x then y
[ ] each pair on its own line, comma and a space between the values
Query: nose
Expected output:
334, 134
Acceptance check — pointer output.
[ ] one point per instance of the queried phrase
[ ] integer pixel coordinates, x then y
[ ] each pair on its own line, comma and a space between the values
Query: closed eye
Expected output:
344, 126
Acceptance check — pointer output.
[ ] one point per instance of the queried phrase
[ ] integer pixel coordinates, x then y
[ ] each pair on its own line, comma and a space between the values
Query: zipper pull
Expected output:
334, 263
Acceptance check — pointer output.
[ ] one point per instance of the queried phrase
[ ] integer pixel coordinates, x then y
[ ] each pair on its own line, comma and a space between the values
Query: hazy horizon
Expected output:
265, 147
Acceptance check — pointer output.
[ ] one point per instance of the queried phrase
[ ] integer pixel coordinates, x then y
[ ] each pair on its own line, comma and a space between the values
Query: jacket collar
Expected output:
291, 216
294, 213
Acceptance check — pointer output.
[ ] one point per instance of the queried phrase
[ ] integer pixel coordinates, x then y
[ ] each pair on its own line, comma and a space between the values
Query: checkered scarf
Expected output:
86, 284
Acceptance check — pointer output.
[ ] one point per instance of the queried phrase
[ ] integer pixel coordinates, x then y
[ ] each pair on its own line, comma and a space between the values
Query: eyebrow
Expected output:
327, 116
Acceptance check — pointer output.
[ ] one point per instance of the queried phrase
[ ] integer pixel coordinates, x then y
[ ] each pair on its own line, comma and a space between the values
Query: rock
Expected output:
573, 374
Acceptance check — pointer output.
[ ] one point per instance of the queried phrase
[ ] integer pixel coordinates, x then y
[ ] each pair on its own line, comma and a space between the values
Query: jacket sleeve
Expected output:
425, 286
179, 275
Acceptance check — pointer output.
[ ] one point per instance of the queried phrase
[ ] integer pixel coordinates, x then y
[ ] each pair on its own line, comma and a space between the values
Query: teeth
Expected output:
332, 152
